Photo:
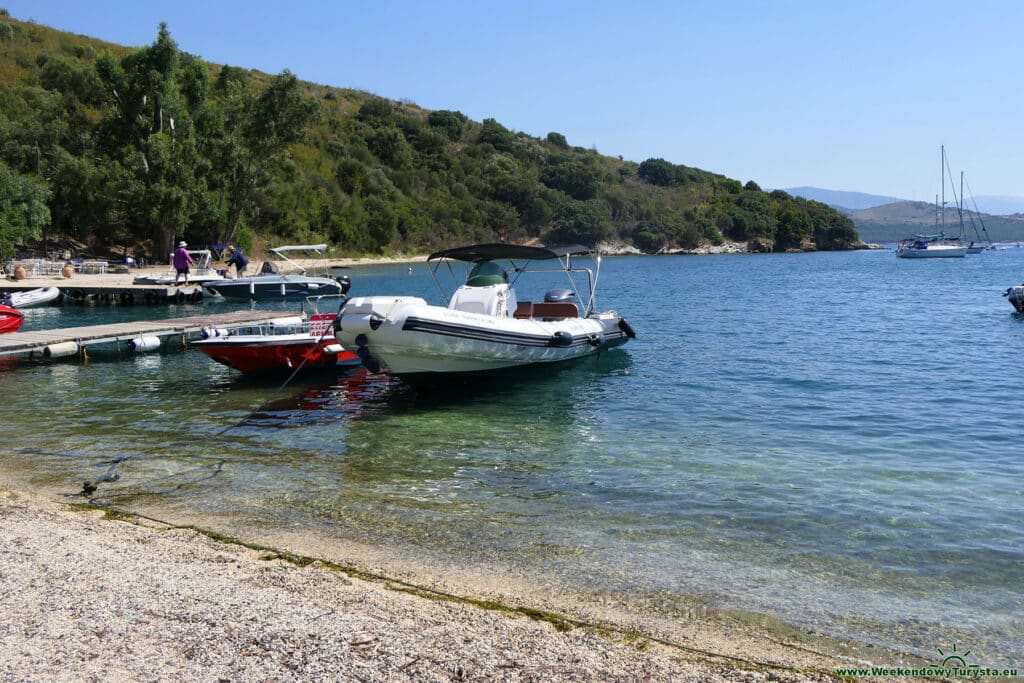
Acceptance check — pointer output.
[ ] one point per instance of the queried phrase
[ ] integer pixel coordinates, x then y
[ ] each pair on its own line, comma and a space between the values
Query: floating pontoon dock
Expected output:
45, 342
107, 293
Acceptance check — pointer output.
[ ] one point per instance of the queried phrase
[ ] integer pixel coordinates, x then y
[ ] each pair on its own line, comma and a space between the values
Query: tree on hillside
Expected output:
451, 122
23, 210
258, 130
148, 133
657, 172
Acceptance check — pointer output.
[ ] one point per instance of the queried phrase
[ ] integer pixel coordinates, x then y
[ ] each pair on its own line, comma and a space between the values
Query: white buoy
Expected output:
143, 344
60, 350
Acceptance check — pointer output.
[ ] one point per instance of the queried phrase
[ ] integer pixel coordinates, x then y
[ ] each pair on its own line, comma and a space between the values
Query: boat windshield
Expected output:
486, 271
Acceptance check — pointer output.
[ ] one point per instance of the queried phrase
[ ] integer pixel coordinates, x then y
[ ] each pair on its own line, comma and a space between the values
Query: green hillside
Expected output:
892, 222
108, 145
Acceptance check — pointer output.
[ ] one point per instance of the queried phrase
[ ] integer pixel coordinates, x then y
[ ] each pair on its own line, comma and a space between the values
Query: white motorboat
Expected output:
201, 273
272, 283
31, 298
484, 327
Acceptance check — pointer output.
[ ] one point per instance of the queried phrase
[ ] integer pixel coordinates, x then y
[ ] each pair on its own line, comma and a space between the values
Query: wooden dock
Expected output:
39, 341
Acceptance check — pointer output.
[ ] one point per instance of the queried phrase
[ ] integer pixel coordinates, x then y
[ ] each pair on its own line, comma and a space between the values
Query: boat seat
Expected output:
524, 309
551, 310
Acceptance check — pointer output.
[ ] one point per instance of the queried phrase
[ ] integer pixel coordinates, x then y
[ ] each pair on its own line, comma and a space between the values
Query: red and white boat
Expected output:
11, 319
269, 350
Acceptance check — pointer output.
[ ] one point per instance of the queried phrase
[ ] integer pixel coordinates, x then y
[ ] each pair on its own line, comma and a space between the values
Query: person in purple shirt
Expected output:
182, 261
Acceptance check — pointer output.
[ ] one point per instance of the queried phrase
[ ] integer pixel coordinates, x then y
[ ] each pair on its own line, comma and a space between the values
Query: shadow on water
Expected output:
434, 464
361, 394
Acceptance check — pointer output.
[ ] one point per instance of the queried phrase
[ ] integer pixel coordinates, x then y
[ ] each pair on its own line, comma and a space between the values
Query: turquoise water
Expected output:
834, 439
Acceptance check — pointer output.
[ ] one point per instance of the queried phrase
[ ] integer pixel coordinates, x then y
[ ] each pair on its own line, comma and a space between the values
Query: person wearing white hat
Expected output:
182, 260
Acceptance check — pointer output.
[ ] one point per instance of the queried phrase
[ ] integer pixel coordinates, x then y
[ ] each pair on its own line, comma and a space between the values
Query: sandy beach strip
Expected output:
89, 596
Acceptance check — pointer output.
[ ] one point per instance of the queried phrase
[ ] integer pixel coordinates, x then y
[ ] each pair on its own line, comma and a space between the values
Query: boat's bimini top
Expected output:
315, 248
489, 252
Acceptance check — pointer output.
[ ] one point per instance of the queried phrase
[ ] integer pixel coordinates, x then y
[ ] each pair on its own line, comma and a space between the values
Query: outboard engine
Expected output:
345, 282
559, 295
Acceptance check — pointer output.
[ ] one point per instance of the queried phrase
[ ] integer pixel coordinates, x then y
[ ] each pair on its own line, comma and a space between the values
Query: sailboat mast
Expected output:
942, 174
960, 204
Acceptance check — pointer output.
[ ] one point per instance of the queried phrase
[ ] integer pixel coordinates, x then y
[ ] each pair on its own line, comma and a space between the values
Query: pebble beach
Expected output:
94, 597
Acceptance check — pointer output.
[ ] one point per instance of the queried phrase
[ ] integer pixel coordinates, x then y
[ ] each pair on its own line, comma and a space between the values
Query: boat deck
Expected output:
37, 341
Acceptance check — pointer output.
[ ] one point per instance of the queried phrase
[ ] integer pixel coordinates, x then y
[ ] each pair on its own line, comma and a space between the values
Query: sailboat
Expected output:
936, 245
980, 245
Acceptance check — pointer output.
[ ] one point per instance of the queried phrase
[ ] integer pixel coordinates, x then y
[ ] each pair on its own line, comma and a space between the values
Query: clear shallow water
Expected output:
830, 438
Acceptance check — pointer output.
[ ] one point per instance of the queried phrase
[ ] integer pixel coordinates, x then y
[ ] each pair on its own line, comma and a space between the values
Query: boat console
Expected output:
498, 300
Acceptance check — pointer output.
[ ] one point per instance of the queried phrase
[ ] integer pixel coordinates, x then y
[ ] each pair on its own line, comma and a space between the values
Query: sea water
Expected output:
830, 438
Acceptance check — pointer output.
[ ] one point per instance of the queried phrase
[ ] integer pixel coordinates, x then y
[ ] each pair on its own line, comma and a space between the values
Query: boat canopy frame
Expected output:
319, 249
521, 254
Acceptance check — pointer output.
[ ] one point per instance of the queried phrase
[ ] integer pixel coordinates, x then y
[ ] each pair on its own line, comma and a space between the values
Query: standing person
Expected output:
238, 258
182, 260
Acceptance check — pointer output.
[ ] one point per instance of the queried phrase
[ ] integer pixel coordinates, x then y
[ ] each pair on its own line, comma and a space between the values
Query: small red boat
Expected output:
315, 347
11, 319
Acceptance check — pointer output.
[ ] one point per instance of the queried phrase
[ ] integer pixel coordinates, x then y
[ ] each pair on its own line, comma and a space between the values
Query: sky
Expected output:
836, 94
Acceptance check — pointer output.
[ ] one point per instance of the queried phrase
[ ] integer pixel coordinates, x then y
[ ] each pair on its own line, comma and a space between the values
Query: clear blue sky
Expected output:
835, 94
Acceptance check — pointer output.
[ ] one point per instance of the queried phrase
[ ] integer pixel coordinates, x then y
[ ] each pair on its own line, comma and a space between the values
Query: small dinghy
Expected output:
31, 298
484, 327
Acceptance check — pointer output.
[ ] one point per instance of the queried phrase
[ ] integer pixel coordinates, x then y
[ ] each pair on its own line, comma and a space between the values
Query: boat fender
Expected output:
142, 344
357, 323
561, 339
595, 339
333, 349
375, 321
626, 328
290, 321
179, 297
209, 332
149, 297
345, 282
127, 299
59, 350
196, 296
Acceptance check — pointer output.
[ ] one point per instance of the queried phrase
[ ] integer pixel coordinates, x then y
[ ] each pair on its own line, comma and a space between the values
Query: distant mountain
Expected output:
897, 220
993, 205
839, 199
998, 205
